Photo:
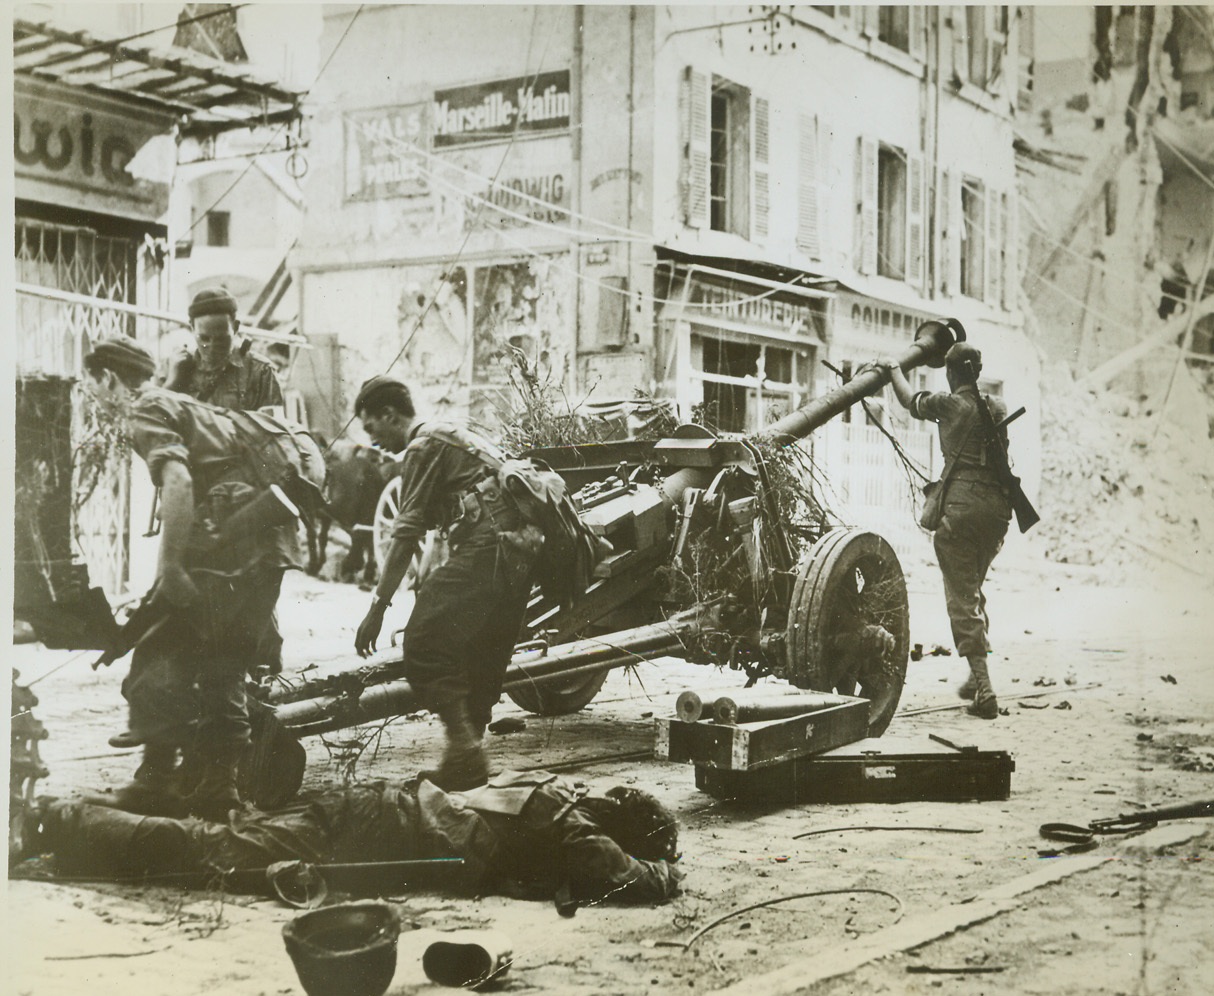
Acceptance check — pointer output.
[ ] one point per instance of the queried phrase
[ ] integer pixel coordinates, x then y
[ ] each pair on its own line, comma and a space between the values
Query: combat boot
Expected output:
217, 794
985, 705
89, 840
153, 790
465, 765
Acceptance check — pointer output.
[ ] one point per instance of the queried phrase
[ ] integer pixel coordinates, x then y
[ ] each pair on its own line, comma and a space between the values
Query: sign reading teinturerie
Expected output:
487, 112
380, 161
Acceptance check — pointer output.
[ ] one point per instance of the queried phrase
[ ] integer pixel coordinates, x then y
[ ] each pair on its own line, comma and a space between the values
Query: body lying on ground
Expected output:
530, 835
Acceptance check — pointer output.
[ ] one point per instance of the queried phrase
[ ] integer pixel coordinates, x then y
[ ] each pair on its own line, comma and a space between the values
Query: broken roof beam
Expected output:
175, 64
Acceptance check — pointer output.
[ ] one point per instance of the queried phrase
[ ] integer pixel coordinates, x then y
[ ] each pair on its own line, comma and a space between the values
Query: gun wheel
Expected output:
385, 514
849, 622
558, 698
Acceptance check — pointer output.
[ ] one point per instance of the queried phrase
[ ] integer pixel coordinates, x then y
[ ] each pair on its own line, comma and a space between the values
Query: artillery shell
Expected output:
689, 707
734, 710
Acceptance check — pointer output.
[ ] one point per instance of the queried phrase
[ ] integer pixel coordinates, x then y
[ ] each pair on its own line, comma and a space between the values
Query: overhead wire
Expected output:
282, 125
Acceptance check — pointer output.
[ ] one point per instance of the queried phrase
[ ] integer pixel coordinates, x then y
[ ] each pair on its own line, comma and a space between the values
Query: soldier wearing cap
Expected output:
976, 507
218, 373
466, 620
186, 686
229, 378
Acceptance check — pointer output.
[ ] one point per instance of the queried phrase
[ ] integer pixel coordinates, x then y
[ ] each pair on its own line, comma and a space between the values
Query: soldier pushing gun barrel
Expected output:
969, 508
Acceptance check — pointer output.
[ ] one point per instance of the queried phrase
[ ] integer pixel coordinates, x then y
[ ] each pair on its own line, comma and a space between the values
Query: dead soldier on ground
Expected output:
529, 835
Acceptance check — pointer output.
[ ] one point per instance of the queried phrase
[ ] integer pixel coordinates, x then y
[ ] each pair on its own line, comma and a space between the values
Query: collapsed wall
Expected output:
1128, 484
1127, 460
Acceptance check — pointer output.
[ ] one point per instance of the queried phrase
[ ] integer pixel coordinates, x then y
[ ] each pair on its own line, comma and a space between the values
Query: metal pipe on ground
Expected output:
325, 713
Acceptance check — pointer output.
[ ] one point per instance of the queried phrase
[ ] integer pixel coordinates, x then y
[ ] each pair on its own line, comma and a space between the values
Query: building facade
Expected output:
710, 204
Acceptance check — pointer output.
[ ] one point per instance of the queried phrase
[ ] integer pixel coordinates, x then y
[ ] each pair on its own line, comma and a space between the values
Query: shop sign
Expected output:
533, 185
751, 304
489, 112
380, 161
877, 318
79, 150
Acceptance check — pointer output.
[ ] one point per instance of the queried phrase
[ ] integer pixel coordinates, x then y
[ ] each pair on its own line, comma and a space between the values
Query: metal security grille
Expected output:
52, 337
77, 260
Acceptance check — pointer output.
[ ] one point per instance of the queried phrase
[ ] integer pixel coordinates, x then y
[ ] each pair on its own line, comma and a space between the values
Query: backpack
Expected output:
565, 565
278, 452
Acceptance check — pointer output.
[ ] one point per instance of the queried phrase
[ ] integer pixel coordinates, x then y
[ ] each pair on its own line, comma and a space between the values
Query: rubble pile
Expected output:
1125, 485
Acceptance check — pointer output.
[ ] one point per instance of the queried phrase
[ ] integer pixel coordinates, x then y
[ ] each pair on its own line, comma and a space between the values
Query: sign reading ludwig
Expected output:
487, 112
379, 161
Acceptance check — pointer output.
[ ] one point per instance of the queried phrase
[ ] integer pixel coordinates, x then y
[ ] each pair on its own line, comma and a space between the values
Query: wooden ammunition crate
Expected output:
885, 769
750, 746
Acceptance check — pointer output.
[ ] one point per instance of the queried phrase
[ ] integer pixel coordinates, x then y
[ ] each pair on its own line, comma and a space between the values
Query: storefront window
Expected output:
745, 383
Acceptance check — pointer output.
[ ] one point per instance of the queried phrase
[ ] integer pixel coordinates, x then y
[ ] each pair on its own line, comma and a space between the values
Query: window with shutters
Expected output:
891, 212
729, 186
973, 238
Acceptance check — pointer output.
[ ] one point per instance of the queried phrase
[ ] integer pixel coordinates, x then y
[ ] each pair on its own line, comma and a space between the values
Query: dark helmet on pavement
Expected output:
642, 826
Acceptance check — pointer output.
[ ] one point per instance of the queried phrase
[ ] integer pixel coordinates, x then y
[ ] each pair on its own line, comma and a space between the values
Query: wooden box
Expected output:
750, 746
885, 769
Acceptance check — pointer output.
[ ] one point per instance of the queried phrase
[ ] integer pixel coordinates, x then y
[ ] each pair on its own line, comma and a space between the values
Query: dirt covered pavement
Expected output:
1130, 917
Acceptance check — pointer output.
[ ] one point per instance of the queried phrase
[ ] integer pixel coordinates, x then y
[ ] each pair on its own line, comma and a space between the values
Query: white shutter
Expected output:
995, 40
961, 65
697, 123
951, 247
809, 221
994, 246
916, 247
866, 189
940, 279
760, 158
918, 32
1011, 272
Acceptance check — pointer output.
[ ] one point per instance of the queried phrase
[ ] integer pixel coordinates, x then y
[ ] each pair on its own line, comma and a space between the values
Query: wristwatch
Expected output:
377, 600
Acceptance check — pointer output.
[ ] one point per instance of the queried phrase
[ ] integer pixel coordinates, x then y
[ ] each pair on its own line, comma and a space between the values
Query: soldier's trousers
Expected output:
465, 622
186, 684
971, 532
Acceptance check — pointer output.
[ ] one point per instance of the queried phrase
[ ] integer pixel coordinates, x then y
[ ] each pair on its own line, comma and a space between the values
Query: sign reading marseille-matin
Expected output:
489, 112
381, 156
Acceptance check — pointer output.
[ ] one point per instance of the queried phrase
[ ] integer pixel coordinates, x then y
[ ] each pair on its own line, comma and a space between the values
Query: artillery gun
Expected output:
707, 565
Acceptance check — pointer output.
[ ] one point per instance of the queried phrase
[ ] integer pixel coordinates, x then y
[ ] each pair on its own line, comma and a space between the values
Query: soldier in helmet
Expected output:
976, 509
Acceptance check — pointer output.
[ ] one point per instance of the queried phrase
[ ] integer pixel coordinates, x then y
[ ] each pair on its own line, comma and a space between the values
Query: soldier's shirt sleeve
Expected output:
156, 433
597, 868
934, 406
420, 485
267, 390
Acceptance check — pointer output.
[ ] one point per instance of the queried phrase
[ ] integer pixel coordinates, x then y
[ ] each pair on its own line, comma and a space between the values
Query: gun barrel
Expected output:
931, 343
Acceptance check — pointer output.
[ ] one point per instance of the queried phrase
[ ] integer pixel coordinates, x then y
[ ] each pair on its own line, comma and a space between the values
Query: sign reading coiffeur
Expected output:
488, 112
